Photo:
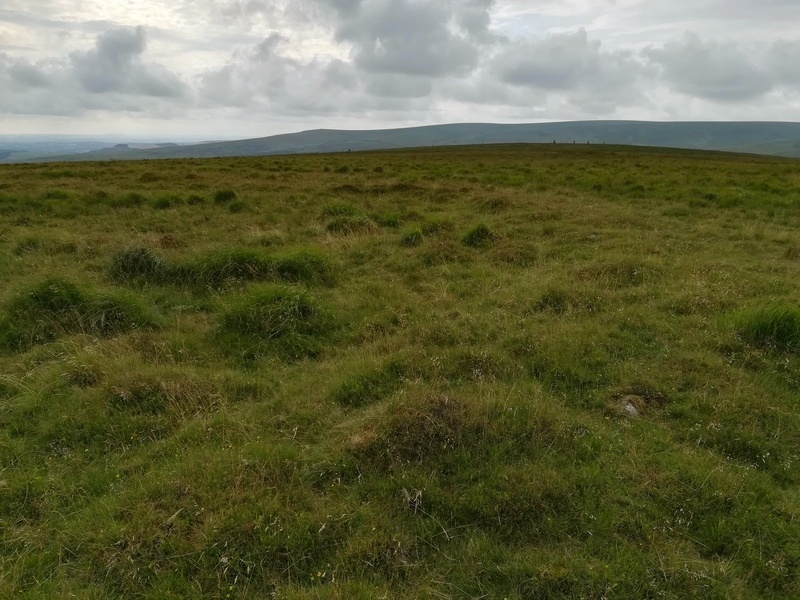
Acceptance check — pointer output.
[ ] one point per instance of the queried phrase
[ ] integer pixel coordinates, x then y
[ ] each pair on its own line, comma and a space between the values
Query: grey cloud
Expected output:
431, 38
565, 62
714, 71
573, 67
28, 75
784, 60
115, 65
111, 76
267, 80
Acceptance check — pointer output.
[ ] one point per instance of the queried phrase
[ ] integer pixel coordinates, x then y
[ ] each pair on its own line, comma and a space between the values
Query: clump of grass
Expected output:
34, 244
149, 177
56, 308
351, 225
416, 430
28, 246
237, 207
55, 195
792, 252
224, 196
179, 395
772, 327
371, 386
555, 300
437, 226
129, 200
139, 265
305, 265
411, 238
339, 209
167, 202
275, 319
386, 219
218, 269
195, 200
619, 275
479, 236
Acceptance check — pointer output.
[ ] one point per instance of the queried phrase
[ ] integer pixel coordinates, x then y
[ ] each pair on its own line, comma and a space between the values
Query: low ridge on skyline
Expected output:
769, 138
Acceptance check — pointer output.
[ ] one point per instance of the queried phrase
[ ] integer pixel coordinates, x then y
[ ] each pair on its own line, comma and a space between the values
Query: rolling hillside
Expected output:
780, 139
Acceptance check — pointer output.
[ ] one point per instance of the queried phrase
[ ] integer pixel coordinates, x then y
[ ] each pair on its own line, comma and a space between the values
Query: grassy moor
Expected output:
502, 372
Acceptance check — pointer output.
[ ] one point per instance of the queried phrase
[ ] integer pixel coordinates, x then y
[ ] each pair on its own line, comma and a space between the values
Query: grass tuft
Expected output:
56, 308
224, 196
352, 225
221, 268
479, 236
417, 430
411, 238
339, 209
371, 386
773, 327
275, 319
138, 265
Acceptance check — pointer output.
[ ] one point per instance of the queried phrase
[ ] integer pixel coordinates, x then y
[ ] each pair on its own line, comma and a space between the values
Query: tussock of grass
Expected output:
479, 236
773, 327
275, 319
224, 196
352, 225
370, 386
339, 209
218, 269
391, 220
139, 265
129, 200
620, 275
56, 308
177, 395
418, 430
412, 238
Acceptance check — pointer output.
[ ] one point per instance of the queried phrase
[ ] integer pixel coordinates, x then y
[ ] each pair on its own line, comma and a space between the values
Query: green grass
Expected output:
56, 308
490, 372
771, 327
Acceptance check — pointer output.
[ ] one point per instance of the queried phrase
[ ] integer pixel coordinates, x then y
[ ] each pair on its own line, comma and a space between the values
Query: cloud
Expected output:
715, 71
115, 65
111, 76
784, 61
566, 62
429, 38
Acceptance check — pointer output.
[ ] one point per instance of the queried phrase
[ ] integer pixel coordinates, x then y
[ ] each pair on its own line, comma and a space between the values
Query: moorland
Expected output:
768, 138
520, 371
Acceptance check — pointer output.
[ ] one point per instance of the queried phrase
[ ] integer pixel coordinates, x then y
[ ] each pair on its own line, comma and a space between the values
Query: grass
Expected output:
141, 266
492, 372
775, 327
56, 308
278, 319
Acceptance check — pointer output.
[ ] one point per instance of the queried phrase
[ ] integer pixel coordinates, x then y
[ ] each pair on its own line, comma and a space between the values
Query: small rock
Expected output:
631, 405
630, 409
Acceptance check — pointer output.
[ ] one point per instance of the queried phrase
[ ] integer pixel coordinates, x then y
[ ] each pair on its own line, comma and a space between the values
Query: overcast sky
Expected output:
248, 68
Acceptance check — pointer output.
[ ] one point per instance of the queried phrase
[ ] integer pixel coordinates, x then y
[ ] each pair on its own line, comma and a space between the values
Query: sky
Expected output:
224, 69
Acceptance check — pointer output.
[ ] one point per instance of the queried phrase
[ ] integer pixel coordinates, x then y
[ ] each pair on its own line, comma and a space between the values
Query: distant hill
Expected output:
770, 138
